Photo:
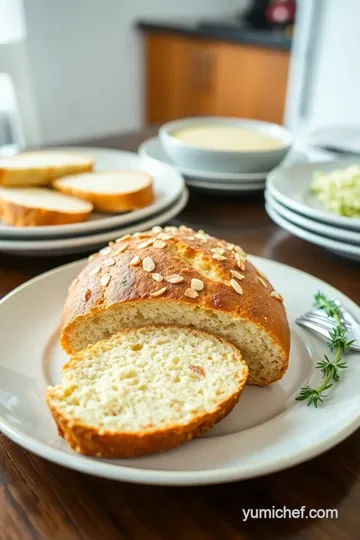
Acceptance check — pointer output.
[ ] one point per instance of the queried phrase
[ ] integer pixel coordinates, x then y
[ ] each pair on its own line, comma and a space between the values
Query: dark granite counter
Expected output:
221, 30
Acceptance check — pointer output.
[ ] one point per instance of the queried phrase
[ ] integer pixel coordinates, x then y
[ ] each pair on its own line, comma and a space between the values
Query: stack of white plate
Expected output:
152, 152
171, 197
290, 203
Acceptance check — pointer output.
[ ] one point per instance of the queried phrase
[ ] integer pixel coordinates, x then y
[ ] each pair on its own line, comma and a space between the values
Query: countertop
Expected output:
223, 30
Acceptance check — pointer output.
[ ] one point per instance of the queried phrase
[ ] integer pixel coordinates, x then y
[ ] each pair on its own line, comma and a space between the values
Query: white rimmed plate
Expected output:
267, 431
168, 186
335, 233
226, 187
151, 150
79, 244
291, 187
350, 251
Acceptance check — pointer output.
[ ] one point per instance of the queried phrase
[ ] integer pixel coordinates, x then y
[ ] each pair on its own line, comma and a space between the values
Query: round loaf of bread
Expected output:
146, 390
179, 276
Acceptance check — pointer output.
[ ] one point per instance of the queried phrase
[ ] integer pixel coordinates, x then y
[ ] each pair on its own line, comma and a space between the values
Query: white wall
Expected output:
86, 60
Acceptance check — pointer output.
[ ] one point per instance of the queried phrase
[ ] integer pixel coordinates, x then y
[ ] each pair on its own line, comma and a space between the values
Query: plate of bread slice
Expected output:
76, 191
170, 357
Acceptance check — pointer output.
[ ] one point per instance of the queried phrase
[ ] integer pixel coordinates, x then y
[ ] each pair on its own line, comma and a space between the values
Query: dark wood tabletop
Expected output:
41, 500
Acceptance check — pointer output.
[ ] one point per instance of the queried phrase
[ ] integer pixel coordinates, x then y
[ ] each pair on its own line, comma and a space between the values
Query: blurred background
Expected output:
78, 69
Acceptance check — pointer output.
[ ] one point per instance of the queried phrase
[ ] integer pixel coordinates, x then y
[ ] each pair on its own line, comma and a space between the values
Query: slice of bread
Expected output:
110, 191
40, 168
30, 207
146, 390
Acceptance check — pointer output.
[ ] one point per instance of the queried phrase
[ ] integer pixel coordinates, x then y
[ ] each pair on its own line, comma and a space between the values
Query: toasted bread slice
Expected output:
29, 207
40, 168
146, 390
110, 191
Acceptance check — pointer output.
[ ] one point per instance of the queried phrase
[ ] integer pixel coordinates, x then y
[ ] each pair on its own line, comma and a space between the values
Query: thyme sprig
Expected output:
338, 344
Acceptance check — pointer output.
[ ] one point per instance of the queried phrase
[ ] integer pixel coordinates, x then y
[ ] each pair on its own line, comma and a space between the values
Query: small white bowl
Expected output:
205, 159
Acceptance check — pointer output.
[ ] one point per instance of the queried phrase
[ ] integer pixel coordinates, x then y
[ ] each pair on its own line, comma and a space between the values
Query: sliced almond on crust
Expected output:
277, 295
174, 278
237, 274
159, 244
236, 286
135, 261
197, 284
109, 262
164, 236
95, 271
148, 264
171, 229
123, 238
121, 248
262, 281
105, 280
190, 293
146, 243
105, 251
157, 277
159, 292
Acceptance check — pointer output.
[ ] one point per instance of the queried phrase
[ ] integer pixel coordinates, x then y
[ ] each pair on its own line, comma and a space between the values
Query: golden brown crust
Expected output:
23, 216
111, 202
87, 439
90, 441
130, 284
42, 175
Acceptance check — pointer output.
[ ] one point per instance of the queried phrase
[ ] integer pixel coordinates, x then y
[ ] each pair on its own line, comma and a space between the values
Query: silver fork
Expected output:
320, 323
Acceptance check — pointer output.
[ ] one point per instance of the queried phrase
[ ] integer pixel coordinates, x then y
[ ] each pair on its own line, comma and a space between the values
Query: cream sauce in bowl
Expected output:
228, 138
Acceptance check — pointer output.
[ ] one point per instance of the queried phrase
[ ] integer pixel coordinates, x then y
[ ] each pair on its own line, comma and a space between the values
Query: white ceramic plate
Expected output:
335, 233
151, 150
168, 186
267, 431
79, 244
291, 187
226, 187
350, 251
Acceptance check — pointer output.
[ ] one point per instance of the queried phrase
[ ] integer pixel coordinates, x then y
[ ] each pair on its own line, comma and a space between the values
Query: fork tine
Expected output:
313, 326
324, 323
322, 329
321, 317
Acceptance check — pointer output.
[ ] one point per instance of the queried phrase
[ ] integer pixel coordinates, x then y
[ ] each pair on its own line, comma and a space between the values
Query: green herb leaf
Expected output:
337, 344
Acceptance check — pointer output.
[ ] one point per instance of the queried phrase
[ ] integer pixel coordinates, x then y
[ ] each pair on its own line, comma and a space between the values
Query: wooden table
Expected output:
42, 500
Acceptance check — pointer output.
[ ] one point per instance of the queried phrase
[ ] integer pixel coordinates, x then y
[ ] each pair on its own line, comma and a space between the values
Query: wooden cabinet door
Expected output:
193, 77
245, 81
171, 78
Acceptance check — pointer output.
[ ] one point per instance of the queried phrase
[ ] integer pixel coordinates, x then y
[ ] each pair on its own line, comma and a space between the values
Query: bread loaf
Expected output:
109, 191
41, 167
179, 276
146, 390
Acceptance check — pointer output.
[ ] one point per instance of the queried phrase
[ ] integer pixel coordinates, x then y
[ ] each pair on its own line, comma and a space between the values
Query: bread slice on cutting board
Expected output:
30, 207
110, 191
146, 390
41, 167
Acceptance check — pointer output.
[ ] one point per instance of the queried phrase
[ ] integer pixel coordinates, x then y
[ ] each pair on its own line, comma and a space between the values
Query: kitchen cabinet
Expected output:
188, 76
